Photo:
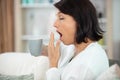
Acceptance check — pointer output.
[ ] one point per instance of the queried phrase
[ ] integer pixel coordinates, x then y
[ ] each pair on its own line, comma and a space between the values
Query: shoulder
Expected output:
97, 54
98, 60
93, 57
93, 52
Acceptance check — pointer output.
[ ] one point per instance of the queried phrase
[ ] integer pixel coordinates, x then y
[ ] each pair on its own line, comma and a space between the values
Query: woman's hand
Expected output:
53, 51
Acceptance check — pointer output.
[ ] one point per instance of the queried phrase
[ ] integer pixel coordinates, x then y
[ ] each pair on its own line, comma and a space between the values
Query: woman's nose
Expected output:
56, 24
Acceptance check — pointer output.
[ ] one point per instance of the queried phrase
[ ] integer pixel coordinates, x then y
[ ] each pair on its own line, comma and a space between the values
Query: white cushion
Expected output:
23, 63
113, 73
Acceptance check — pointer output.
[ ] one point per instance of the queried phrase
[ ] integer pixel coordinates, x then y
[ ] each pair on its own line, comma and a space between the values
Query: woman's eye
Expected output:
61, 18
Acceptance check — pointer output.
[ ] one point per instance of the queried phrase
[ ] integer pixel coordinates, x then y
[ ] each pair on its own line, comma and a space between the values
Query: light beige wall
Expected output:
18, 26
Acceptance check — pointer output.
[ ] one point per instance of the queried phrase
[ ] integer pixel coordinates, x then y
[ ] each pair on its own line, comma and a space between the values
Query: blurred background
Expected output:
23, 20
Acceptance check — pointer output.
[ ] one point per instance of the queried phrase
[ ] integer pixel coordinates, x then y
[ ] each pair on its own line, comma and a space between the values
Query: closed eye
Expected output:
61, 18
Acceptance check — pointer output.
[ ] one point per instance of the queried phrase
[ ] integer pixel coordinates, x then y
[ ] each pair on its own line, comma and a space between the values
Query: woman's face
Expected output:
66, 27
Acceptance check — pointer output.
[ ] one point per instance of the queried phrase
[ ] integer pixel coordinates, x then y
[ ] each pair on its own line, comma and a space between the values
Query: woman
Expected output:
77, 24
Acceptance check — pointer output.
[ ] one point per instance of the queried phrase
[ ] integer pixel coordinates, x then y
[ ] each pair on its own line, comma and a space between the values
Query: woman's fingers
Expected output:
52, 39
53, 51
51, 42
58, 46
51, 47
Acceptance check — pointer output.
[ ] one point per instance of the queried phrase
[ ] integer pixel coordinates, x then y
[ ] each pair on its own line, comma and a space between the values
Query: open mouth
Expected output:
59, 33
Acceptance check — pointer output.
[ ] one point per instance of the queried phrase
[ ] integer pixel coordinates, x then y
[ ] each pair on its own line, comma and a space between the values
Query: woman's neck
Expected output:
80, 47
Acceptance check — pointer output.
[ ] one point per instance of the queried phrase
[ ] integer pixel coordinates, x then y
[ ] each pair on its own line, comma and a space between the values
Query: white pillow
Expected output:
113, 73
23, 64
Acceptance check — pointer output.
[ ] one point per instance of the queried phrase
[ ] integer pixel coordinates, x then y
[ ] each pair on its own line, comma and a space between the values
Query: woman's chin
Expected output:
66, 42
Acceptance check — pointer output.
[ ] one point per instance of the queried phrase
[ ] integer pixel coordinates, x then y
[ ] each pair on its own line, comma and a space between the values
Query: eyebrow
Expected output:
58, 13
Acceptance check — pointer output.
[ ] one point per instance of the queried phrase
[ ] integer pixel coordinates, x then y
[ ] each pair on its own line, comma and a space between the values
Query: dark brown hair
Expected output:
84, 13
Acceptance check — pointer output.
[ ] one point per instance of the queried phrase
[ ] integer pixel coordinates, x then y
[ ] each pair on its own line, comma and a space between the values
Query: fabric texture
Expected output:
87, 65
113, 73
14, 77
22, 64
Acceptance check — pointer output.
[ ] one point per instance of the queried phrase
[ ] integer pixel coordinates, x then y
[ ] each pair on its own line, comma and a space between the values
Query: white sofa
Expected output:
23, 64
